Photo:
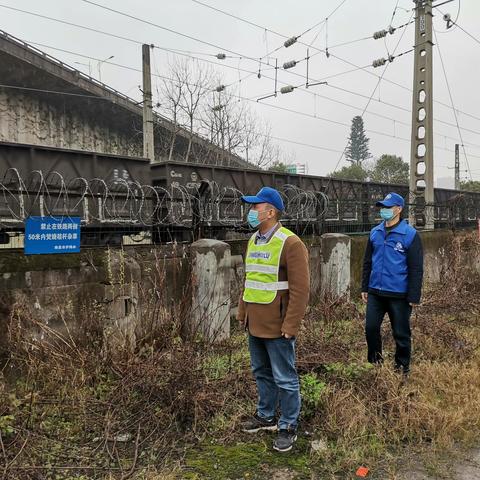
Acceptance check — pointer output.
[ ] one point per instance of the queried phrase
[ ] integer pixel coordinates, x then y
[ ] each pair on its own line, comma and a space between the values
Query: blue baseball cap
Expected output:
266, 195
391, 200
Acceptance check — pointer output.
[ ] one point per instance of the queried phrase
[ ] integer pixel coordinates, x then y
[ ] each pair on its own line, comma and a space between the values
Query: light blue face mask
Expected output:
387, 213
252, 219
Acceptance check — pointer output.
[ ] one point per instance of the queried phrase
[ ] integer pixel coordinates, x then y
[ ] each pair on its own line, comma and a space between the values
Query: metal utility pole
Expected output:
457, 166
421, 212
148, 141
99, 65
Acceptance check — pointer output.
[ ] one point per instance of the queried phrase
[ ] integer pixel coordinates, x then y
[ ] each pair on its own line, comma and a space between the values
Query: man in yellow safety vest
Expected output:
271, 308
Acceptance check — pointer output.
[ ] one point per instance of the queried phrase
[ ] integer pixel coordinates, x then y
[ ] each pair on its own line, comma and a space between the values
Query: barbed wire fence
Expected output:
123, 204
128, 202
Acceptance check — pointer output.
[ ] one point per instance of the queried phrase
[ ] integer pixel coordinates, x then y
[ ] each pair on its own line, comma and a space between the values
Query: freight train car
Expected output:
114, 195
46, 181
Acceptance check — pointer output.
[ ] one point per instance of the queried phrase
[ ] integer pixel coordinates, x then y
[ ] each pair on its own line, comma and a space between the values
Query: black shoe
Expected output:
405, 371
255, 423
285, 440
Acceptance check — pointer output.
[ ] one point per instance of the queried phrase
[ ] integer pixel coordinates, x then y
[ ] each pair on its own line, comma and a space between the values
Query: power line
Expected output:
154, 46
125, 38
203, 60
215, 63
147, 22
170, 30
113, 35
96, 97
451, 100
162, 48
350, 42
175, 51
374, 90
467, 33
250, 73
399, 107
16, 87
46, 17
253, 24
294, 142
42, 90
339, 58
137, 42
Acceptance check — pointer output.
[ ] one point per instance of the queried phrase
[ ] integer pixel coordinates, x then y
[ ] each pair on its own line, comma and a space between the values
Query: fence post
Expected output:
335, 271
211, 269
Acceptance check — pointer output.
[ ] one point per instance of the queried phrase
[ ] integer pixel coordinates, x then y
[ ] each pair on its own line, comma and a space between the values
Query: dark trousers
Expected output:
399, 311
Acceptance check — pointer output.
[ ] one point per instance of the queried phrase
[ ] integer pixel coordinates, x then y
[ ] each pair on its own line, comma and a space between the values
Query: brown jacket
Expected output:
287, 310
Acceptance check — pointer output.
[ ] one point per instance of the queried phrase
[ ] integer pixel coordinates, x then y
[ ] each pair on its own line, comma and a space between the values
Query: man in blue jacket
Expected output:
392, 280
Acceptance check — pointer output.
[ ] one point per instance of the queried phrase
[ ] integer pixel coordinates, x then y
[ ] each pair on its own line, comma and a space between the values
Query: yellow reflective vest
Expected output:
261, 267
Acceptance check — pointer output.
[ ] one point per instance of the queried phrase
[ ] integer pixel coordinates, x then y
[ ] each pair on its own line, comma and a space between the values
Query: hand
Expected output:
286, 335
413, 304
364, 297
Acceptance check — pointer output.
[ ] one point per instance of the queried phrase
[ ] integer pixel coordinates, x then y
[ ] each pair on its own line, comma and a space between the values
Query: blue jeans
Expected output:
399, 311
273, 366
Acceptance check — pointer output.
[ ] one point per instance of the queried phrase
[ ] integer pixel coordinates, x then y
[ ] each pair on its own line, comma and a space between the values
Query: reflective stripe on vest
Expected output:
262, 264
261, 268
266, 286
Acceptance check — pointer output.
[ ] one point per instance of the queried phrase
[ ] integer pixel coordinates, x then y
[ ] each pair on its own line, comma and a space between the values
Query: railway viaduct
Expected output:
44, 101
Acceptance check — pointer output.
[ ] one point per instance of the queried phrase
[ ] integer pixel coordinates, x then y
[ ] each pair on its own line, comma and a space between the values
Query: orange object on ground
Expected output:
362, 472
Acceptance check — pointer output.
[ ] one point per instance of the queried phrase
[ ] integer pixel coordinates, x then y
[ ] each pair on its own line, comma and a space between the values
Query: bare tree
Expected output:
172, 92
198, 84
228, 125
236, 129
262, 150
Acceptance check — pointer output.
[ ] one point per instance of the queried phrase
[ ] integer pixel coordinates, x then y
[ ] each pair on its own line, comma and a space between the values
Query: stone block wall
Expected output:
128, 290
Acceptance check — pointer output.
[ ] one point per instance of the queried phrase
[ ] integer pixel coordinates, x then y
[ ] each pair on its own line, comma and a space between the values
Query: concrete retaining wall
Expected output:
436, 257
117, 286
125, 288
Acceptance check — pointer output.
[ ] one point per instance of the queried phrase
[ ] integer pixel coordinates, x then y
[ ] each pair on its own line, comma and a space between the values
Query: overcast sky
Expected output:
355, 19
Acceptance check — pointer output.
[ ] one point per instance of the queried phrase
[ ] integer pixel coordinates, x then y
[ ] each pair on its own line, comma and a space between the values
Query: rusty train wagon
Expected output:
116, 195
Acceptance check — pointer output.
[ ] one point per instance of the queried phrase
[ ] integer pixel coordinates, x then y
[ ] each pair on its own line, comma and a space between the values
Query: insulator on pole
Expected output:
380, 34
220, 88
221, 56
289, 64
287, 89
217, 108
379, 62
447, 17
290, 42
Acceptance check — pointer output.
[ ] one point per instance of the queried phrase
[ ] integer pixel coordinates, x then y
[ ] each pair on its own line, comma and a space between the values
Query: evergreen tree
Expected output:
357, 149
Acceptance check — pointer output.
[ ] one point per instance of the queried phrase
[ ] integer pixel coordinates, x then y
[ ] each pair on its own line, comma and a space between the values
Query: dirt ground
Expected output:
465, 467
